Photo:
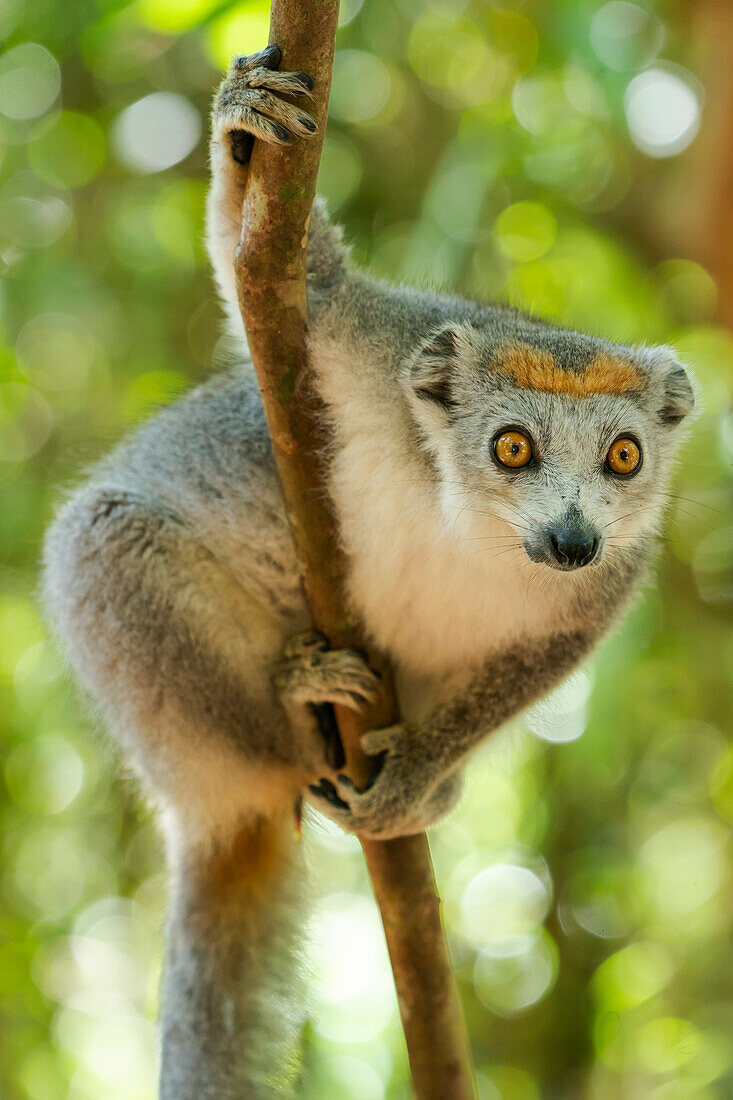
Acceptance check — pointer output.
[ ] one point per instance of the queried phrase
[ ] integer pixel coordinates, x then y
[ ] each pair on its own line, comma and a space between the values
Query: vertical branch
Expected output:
712, 167
271, 270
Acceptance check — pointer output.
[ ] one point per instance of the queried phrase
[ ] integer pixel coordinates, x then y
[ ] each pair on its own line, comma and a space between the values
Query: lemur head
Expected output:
566, 440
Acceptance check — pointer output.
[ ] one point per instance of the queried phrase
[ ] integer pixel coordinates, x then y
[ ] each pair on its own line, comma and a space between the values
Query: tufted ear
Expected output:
679, 396
674, 384
433, 370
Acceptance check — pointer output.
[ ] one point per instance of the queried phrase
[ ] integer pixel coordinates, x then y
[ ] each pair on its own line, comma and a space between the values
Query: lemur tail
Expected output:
232, 1009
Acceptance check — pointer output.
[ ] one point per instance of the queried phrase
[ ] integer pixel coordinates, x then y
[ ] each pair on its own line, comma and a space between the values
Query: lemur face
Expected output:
562, 442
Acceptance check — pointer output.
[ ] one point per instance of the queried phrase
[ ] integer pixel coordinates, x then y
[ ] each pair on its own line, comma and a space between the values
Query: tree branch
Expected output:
271, 269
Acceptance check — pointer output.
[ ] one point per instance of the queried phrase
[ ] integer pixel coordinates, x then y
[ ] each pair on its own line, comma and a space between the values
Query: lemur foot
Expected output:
399, 800
311, 673
249, 103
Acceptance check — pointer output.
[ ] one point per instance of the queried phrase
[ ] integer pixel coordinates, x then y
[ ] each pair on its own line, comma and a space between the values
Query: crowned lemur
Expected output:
497, 483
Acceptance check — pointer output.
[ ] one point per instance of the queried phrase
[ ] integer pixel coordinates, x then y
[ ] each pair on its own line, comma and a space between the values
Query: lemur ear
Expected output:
677, 389
432, 371
679, 397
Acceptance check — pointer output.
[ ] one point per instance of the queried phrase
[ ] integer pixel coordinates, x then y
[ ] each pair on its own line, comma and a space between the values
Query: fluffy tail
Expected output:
231, 997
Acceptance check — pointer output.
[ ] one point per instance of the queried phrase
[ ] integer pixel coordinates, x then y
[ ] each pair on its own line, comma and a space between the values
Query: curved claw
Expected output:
268, 58
306, 80
328, 728
325, 789
349, 784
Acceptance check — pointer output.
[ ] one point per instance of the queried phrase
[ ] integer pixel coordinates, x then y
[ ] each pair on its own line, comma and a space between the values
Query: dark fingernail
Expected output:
360, 652
306, 80
335, 755
379, 760
329, 792
326, 719
272, 56
282, 133
241, 144
310, 125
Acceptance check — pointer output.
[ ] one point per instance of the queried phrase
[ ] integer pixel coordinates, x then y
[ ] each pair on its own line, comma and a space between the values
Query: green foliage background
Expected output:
587, 874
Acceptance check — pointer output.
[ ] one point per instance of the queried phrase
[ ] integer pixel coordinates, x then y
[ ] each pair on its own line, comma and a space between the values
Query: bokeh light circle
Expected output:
663, 110
156, 132
30, 81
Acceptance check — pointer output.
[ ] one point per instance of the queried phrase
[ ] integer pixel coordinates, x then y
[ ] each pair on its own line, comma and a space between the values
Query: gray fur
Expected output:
172, 579
232, 995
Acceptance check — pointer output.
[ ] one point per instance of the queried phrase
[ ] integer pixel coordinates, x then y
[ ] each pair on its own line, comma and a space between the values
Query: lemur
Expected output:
497, 481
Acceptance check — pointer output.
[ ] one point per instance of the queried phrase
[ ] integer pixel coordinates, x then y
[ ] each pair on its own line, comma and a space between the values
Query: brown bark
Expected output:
711, 179
683, 206
271, 267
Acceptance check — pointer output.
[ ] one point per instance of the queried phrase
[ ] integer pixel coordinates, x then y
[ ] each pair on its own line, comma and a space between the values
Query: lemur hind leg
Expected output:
181, 657
177, 652
248, 105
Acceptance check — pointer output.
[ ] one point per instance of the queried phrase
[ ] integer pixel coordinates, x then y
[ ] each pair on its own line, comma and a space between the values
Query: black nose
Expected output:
571, 549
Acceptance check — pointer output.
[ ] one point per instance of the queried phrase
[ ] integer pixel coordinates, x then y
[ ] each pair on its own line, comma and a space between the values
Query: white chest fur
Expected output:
437, 600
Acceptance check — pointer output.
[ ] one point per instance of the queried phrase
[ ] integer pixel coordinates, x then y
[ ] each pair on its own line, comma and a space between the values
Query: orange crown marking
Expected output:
533, 369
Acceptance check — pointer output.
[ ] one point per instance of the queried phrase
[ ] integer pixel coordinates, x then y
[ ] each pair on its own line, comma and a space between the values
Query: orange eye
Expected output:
513, 449
624, 457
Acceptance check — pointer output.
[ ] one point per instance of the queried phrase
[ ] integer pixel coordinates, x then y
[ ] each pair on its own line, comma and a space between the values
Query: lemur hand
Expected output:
403, 797
249, 103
